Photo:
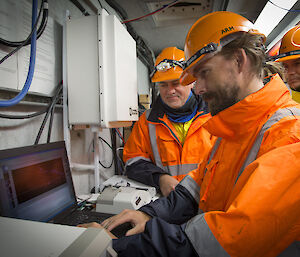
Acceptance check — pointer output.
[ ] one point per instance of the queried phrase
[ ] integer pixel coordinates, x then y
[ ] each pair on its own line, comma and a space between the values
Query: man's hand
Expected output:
96, 225
138, 220
167, 184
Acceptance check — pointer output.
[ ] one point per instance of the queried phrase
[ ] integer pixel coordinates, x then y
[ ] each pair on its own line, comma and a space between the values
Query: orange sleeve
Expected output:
138, 143
263, 218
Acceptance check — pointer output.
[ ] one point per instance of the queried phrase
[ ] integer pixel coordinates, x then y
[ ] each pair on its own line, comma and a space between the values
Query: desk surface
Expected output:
36, 239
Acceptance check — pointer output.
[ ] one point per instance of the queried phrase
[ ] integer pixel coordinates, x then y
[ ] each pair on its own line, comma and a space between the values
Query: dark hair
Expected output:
254, 48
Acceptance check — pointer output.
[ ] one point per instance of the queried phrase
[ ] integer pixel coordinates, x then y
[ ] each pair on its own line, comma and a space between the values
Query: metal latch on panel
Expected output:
133, 111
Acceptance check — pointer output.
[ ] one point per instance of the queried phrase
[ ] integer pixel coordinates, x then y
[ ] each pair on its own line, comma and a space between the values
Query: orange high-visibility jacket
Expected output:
250, 210
154, 148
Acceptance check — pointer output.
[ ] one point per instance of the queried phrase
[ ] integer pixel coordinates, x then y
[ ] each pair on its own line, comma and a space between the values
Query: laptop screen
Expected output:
35, 182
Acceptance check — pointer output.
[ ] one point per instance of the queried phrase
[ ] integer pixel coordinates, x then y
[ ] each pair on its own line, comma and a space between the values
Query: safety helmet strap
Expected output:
167, 64
295, 52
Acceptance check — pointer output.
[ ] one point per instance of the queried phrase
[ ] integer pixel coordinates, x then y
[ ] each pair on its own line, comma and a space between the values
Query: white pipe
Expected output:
96, 160
79, 166
67, 136
85, 167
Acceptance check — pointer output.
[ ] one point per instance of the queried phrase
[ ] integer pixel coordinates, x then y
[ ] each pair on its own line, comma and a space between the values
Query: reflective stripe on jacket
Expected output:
250, 186
154, 140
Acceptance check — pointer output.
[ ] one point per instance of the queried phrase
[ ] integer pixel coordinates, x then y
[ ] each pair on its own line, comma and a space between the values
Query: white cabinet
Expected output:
101, 72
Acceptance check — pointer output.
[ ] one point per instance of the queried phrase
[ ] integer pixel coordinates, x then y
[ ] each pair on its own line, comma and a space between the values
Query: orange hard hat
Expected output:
290, 45
168, 65
209, 34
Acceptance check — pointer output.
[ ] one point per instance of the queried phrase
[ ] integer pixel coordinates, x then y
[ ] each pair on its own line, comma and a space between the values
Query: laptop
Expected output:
36, 184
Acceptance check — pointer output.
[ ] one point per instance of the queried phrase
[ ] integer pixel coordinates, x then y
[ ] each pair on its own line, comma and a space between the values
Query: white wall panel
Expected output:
143, 78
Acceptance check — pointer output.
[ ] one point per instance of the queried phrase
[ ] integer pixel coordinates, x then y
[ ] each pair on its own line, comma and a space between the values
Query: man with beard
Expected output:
289, 55
246, 200
168, 141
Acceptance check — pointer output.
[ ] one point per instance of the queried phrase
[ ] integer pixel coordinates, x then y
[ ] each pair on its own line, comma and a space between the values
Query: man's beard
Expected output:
296, 84
221, 99
296, 89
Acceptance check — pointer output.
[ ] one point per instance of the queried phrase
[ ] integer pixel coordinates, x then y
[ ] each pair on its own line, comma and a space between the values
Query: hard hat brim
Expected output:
165, 76
186, 79
287, 58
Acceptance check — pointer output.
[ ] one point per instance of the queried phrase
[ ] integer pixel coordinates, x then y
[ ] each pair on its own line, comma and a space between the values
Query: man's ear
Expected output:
241, 59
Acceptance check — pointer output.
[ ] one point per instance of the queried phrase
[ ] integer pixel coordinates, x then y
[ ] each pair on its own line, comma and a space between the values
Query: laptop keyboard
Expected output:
80, 217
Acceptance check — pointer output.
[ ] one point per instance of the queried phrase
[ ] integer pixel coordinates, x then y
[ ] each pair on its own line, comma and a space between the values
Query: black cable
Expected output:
164, 6
21, 117
224, 5
51, 120
56, 95
121, 162
100, 4
44, 121
27, 39
112, 160
39, 32
283, 8
114, 149
50, 125
105, 142
80, 7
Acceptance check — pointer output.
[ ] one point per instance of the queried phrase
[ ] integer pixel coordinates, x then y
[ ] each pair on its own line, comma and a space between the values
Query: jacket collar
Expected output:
249, 113
157, 113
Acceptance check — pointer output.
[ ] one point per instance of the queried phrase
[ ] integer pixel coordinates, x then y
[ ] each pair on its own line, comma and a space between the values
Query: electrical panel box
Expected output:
101, 72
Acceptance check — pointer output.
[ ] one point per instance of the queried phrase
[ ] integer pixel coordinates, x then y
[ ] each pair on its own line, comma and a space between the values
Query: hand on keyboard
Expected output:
117, 232
138, 220
96, 225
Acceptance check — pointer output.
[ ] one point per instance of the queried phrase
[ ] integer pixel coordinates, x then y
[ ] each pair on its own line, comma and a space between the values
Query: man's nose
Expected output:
199, 86
171, 88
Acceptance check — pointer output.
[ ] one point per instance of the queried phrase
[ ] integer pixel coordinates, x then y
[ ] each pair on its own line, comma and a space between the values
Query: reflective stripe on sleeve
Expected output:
191, 186
135, 159
181, 169
202, 239
277, 116
152, 135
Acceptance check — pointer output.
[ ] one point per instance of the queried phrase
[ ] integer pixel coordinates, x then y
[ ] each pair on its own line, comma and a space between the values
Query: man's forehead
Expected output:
199, 65
173, 81
203, 62
296, 60
291, 62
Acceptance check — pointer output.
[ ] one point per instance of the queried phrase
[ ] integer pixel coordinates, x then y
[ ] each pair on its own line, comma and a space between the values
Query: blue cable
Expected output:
27, 84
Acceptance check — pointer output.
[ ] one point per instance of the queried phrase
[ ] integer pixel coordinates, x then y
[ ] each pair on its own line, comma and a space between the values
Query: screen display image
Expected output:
37, 179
